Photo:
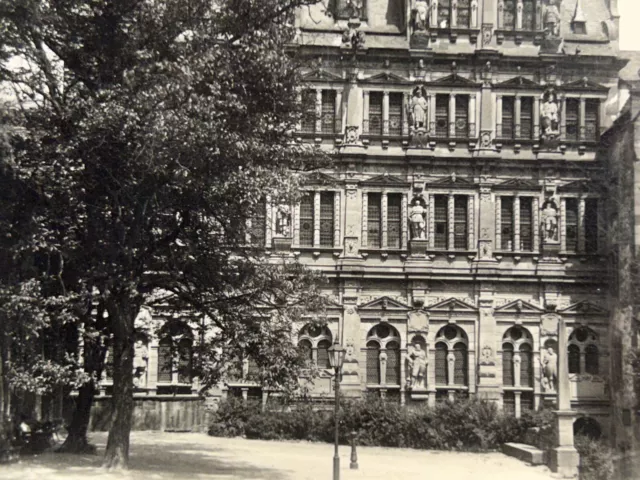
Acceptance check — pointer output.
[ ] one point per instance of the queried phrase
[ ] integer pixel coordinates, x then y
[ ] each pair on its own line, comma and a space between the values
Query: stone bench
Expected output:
524, 452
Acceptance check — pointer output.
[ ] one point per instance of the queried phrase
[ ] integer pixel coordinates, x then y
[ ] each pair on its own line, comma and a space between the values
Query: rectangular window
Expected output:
444, 13
591, 119
572, 115
571, 224
526, 118
374, 220
326, 219
328, 111
306, 220
394, 206
526, 224
258, 225
375, 113
395, 114
460, 234
462, 116
509, 14
308, 123
441, 223
529, 14
464, 14
506, 223
591, 225
442, 115
508, 117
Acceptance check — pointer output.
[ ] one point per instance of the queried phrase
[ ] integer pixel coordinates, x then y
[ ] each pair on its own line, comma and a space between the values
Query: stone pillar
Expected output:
519, 9
404, 210
564, 458
516, 224
536, 118
452, 115
385, 112
563, 118
337, 219
296, 224
536, 224
383, 208
472, 116
563, 225
518, 109
365, 113
500, 13
316, 219
318, 110
498, 230
431, 222
338, 110
364, 215
486, 225
431, 128
383, 367
451, 222
581, 232
454, 13
451, 367
354, 106
471, 240
582, 128
434, 15
352, 220
488, 344
405, 116
498, 116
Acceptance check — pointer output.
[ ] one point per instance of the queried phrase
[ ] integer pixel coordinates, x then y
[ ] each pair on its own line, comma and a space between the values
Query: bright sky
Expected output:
629, 31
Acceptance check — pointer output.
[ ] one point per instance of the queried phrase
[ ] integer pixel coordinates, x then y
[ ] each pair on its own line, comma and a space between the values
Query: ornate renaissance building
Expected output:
464, 219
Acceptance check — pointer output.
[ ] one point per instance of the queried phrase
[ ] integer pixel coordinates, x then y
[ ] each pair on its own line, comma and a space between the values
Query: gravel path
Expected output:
189, 456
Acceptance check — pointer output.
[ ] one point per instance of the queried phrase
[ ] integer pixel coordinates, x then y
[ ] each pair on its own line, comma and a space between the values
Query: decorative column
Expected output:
432, 222
352, 221
498, 116
536, 117
517, 362
434, 15
583, 109
299, 102
519, 8
500, 19
451, 367
474, 14
564, 458
296, 224
498, 245
270, 221
518, 403
563, 119
536, 224
516, 224
581, 232
385, 112
472, 116
454, 13
318, 110
383, 367
432, 113
405, 117
517, 110
563, 225
365, 207
337, 217
470, 222
316, 219
451, 216
365, 113
338, 116
404, 209
384, 243
452, 115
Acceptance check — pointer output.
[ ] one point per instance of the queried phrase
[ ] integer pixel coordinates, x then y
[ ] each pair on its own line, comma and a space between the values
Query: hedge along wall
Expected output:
162, 413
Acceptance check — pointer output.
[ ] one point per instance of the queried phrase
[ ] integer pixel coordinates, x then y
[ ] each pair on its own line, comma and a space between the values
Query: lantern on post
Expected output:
336, 358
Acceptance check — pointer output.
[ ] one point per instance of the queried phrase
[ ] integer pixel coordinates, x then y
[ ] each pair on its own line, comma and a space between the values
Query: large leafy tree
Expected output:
149, 132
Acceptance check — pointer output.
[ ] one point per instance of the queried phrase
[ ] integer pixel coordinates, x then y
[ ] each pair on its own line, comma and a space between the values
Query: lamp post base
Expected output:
336, 467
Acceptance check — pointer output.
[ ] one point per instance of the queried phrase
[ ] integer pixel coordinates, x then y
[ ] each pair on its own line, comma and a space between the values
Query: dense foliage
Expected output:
140, 140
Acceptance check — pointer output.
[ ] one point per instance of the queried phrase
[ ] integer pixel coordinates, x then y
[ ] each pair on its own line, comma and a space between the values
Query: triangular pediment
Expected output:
452, 180
384, 303
518, 82
319, 178
454, 80
518, 184
452, 305
585, 84
386, 180
583, 308
578, 186
321, 76
386, 78
518, 307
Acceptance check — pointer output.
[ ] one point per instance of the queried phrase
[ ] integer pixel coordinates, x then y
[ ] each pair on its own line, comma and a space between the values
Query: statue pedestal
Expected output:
419, 394
281, 244
418, 247
420, 40
564, 458
419, 138
550, 249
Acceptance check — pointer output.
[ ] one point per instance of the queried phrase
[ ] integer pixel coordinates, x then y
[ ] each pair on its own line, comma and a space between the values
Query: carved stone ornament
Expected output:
417, 359
419, 109
487, 356
549, 364
420, 10
487, 34
351, 134
549, 221
549, 325
283, 221
418, 321
351, 246
485, 249
486, 139
417, 218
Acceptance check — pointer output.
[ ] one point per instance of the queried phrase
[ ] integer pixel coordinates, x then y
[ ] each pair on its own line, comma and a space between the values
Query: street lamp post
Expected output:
336, 357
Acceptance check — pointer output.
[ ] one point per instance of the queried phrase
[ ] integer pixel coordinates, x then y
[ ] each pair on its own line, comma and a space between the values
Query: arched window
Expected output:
175, 354
517, 344
583, 351
383, 340
314, 341
165, 372
452, 346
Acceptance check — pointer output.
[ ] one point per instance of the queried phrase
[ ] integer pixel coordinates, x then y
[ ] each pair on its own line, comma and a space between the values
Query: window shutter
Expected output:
395, 114
462, 116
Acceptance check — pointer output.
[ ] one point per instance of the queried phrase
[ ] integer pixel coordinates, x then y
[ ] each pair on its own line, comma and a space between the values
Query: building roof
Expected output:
630, 72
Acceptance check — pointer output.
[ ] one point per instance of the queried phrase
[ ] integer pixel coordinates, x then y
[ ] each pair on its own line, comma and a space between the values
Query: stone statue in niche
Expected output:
418, 366
552, 17
419, 109
549, 363
283, 221
140, 359
550, 115
421, 10
549, 220
417, 214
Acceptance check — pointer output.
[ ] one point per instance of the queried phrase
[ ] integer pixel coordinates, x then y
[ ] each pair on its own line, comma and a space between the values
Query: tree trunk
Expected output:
122, 313
76, 441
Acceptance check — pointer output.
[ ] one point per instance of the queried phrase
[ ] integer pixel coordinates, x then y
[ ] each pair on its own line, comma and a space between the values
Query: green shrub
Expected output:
231, 417
596, 461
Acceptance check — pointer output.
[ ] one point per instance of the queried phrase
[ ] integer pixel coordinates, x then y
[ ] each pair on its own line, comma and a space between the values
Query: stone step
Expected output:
526, 453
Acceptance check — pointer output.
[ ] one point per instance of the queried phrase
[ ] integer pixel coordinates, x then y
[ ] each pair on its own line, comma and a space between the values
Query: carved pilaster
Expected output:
404, 216
383, 367
471, 222
451, 367
432, 222
452, 115
365, 207
500, 19
474, 13
498, 116
536, 224
318, 110
451, 215
498, 245
518, 109
519, 11
337, 239
384, 219
581, 232
583, 111
472, 116
338, 110
316, 219
385, 112
563, 225
516, 227
405, 116
454, 13
296, 224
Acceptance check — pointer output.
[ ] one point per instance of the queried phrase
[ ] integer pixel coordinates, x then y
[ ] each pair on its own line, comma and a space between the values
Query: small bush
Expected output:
231, 417
596, 461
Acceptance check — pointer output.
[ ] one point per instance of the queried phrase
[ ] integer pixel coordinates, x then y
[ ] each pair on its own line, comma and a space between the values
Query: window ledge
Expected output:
452, 387
517, 389
383, 387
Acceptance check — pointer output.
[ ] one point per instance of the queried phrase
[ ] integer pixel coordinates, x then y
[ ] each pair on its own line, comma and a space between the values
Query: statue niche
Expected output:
417, 362
551, 17
419, 116
417, 218
549, 221
549, 116
420, 13
549, 363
